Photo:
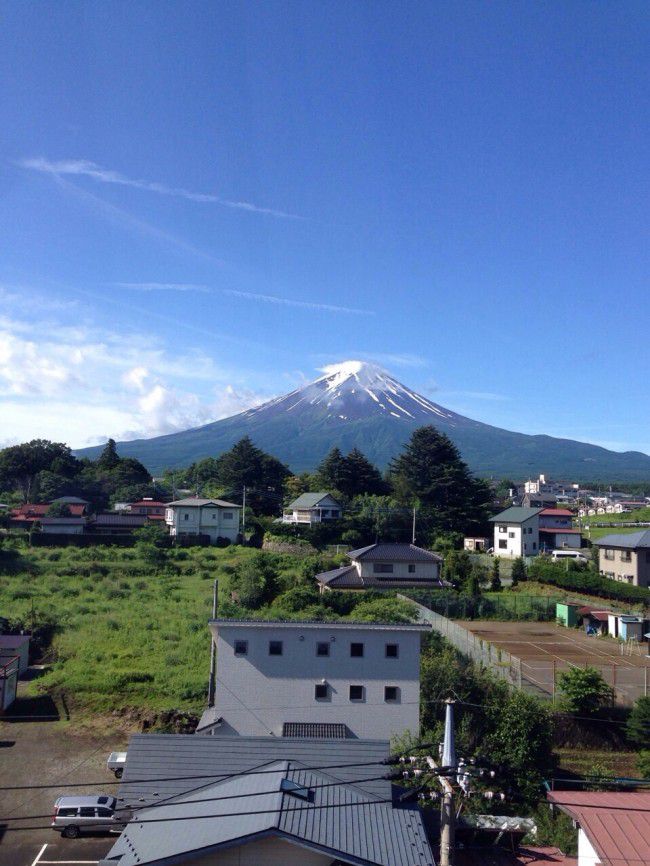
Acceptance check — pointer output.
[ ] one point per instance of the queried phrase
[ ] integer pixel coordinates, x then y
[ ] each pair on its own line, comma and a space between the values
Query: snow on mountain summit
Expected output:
353, 390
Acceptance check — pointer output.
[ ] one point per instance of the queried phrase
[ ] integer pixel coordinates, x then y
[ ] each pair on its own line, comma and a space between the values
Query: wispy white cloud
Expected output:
290, 302
86, 168
239, 293
163, 287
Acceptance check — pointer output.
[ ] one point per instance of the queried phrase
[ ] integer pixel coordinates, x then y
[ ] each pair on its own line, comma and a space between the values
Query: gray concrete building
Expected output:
315, 679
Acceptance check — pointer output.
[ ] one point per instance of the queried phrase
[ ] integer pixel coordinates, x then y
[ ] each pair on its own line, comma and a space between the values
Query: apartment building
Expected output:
315, 679
625, 558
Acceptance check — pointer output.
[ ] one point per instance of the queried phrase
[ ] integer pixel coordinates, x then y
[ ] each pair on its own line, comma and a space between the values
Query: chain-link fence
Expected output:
510, 606
628, 681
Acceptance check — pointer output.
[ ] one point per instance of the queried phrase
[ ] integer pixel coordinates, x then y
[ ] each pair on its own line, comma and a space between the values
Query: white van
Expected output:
576, 555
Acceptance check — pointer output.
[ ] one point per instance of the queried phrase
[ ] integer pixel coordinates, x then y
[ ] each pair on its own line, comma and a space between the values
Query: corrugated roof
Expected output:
63, 521
151, 757
516, 514
349, 578
631, 541
617, 823
348, 573
315, 730
310, 500
339, 819
397, 552
112, 519
199, 503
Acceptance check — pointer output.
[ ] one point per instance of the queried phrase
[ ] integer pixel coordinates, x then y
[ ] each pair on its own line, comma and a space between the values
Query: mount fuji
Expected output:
357, 404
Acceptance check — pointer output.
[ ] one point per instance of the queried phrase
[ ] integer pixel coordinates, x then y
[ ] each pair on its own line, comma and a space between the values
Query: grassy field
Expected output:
641, 515
125, 633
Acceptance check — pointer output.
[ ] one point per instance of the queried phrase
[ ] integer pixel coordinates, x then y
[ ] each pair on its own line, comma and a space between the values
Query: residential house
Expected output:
30, 513
279, 807
310, 508
152, 508
556, 529
63, 525
385, 566
76, 505
625, 558
336, 679
214, 518
539, 500
113, 523
613, 826
516, 532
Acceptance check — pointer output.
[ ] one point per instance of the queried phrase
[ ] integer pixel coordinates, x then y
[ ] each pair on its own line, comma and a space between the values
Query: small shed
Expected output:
476, 544
566, 612
631, 628
12, 646
594, 621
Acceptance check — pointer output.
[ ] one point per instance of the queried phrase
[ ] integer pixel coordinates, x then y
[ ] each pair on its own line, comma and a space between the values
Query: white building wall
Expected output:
587, 855
257, 693
195, 520
521, 539
269, 852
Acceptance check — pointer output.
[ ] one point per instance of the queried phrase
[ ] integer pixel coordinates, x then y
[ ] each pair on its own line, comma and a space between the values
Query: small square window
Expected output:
275, 647
391, 693
411, 568
320, 691
356, 693
322, 648
356, 650
392, 650
241, 647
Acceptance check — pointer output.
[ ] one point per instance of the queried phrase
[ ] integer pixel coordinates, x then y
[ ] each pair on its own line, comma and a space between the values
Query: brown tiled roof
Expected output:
617, 823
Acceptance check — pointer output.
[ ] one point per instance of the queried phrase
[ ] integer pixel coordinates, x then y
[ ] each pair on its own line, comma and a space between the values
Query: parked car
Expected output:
73, 815
116, 762
569, 554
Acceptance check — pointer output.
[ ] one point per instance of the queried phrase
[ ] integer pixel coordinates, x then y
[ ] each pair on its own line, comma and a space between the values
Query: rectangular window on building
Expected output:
382, 567
392, 650
241, 647
511, 535
609, 554
503, 544
626, 556
503, 529
391, 694
356, 650
320, 691
356, 693
227, 515
186, 516
411, 568
275, 647
322, 648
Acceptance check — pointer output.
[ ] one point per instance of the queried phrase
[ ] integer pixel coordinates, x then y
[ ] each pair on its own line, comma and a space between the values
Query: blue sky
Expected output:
201, 204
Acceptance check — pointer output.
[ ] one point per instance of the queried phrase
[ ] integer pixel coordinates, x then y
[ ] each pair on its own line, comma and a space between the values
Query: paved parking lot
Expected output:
65, 852
36, 748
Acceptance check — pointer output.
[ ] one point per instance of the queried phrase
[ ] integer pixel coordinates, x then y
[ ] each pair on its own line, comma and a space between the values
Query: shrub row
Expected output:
582, 579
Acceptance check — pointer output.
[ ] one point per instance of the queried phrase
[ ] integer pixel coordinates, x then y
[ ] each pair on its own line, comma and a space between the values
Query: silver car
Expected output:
73, 815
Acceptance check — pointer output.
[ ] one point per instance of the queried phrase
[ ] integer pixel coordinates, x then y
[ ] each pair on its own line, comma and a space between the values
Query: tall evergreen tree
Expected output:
109, 458
430, 474
362, 476
332, 472
249, 466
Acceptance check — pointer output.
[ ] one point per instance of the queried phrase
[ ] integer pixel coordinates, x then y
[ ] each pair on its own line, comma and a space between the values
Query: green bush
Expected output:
578, 577
583, 691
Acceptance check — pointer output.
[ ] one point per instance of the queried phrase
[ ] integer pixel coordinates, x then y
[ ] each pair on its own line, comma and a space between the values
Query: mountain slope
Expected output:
359, 405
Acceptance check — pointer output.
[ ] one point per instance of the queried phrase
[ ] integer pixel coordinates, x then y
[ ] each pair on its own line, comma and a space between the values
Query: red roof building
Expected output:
152, 508
613, 826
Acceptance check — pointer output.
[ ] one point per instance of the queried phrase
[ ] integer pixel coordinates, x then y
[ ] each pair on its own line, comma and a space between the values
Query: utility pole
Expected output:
213, 648
413, 531
243, 514
447, 813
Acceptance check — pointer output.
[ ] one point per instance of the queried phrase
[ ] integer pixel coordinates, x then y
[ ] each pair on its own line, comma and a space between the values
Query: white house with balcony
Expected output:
310, 508
212, 517
516, 532
324, 680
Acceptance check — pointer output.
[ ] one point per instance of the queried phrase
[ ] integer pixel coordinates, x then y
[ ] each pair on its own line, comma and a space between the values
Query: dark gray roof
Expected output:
311, 500
315, 730
63, 521
516, 514
629, 541
199, 503
343, 624
340, 820
112, 519
349, 578
394, 551
151, 757
71, 500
